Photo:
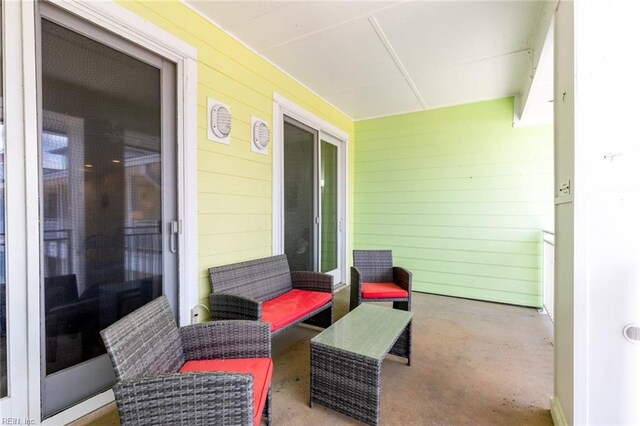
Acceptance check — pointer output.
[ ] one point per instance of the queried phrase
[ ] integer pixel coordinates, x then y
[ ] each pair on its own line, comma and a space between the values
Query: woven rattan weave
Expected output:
346, 359
377, 266
238, 290
147, 349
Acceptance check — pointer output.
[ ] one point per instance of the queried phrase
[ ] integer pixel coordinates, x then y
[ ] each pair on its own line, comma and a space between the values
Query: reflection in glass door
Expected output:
329, 223
311, 199
3, 282
107, 196
300, 206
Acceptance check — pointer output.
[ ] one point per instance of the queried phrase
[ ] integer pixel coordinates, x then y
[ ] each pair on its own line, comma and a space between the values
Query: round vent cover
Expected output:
220, 121
632, 333
261, 135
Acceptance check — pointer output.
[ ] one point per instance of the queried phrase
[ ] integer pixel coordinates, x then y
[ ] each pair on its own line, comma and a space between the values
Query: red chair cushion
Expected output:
260, 368
383, 291
291, 306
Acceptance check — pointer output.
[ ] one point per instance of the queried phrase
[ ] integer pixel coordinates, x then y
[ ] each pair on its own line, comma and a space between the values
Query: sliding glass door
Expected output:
300, 196
329, 206
311, 199
4, 372
108, 196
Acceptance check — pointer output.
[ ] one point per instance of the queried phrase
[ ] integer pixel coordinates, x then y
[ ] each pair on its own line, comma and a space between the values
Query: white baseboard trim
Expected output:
81, 409
556, 413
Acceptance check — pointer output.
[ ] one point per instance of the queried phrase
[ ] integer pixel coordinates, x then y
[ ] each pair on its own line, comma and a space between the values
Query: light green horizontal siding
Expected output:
460, 196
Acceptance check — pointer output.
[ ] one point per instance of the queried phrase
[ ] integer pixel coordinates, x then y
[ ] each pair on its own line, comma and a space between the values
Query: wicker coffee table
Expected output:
346, 359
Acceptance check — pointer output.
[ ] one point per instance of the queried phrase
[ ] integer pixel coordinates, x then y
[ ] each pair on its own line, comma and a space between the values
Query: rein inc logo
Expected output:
16, 421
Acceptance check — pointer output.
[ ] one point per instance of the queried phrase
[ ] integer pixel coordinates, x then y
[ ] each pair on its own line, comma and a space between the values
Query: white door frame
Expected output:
22, 185
281, 107
15, 405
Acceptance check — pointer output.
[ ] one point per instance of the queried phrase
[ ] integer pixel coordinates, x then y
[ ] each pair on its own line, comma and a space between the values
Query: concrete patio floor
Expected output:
473, 363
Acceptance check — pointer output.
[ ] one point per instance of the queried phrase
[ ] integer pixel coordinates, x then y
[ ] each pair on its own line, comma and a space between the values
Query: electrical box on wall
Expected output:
564, 192
260, 135
218, 121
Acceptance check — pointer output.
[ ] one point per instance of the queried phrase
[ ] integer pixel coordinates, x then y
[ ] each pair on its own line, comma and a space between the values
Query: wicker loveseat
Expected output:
265, 290
216, 373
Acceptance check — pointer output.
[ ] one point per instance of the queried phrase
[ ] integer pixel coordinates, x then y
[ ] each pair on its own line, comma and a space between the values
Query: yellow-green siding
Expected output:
460, 196
234, 184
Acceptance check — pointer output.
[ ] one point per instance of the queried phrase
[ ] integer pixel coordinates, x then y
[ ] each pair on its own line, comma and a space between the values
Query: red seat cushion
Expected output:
291, 306
383, 291
260, 368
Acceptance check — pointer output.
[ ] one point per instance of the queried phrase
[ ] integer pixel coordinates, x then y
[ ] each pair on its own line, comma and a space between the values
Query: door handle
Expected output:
173, 236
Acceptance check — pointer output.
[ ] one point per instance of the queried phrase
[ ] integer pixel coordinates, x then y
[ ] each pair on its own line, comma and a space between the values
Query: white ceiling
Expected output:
378, 58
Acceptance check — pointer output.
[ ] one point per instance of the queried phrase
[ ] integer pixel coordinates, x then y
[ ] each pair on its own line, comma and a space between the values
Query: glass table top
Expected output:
369, 330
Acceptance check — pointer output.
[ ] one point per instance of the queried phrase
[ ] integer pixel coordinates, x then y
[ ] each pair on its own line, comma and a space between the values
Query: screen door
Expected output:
108, 196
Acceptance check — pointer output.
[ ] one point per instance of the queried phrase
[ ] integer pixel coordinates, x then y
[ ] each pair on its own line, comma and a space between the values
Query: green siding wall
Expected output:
460, 196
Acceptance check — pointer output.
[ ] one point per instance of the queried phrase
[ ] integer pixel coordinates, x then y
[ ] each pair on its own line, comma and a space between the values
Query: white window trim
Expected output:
281, 107
294, 110
23, 183
16, 210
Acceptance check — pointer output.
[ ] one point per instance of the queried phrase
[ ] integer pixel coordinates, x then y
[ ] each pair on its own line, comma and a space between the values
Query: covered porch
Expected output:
474, 363
144, 143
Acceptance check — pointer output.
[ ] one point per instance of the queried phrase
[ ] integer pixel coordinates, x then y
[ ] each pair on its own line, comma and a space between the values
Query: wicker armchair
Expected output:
202, 374
375, 279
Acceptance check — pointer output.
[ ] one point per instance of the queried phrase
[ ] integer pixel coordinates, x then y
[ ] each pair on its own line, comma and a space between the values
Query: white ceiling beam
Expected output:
387, 44
538, 108
541, 44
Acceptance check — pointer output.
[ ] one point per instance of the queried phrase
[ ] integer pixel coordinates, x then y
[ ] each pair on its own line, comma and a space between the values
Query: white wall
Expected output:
597, 370
607, 121
564, 212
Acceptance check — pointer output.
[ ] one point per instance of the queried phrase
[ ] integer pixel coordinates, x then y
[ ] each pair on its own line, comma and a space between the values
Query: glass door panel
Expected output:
329, 207
105, 202
3, 282
299, 196
312, 199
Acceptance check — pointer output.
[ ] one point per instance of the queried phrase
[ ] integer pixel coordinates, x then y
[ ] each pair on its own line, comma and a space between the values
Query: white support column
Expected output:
532, 106
597, 379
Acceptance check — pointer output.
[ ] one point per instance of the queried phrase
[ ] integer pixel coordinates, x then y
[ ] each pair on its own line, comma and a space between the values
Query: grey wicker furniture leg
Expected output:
346, 359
